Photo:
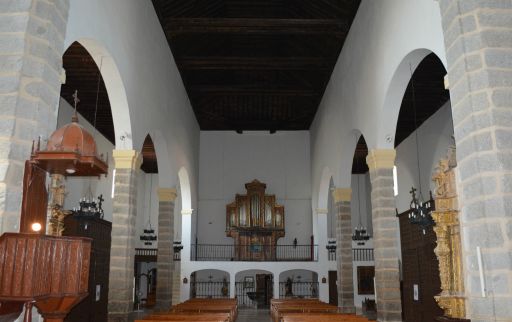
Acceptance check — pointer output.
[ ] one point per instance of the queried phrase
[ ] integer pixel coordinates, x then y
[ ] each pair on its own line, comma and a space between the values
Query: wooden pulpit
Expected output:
49, 272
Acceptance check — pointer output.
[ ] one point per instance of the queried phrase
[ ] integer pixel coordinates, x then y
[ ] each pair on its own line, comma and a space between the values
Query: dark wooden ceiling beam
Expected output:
233, 90
333, 27
258, 63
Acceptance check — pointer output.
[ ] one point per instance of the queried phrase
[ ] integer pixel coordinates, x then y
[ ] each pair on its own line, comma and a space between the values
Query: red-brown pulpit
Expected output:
50, 272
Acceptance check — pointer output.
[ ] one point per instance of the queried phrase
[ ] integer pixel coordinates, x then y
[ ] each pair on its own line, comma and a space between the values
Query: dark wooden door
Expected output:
95, 306
264, 285
333, 289
420, 273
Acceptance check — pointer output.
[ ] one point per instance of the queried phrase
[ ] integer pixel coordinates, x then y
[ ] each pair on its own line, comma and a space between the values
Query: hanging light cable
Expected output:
148, 236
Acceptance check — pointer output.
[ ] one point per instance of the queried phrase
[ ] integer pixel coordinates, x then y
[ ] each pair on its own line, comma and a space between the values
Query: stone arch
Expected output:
116, 91
395, 93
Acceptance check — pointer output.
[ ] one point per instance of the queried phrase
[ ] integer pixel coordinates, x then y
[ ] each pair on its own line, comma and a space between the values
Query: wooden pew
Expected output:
198, 310
322, 317
286, 306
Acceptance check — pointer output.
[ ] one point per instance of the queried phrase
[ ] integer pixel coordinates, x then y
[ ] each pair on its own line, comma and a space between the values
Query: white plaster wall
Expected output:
78, 187
229, 160
127, 34
435, 135
363, 94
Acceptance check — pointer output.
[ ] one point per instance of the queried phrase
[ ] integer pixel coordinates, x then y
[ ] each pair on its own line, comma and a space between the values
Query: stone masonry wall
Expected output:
385, 231
344, 257
165, 262
123, 245
31, 46
478, 39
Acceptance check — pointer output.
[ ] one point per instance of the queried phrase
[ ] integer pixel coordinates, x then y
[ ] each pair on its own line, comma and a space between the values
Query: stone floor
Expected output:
252, 315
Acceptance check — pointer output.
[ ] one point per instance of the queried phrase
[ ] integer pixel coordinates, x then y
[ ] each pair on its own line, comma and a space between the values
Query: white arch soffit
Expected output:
323, 191
395, 94
116, 92
186, 195
162, 158
347, 158
258, 270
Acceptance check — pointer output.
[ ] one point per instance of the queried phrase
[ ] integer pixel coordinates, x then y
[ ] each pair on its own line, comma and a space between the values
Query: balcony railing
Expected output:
150, 255
261, 253
358, 255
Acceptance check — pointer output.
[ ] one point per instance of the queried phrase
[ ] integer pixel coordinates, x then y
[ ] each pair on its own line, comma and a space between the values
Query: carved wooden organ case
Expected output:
255, 222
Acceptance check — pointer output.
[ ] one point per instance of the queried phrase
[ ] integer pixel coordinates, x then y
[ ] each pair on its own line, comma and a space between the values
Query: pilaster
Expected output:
342, 198
385, 231
477, 36
31, 47
120, 302
165, 262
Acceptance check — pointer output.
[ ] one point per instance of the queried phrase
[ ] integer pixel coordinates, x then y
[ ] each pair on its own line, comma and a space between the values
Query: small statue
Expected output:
288, 287
224, 289
56, 227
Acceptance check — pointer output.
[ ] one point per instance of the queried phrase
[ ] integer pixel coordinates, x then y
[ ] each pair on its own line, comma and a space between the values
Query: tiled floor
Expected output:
252, 315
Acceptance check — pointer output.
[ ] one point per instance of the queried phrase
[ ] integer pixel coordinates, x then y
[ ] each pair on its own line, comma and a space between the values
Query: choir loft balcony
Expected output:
254, 253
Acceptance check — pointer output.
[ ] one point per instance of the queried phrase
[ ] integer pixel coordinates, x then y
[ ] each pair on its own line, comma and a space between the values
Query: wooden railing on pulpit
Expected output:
48, 272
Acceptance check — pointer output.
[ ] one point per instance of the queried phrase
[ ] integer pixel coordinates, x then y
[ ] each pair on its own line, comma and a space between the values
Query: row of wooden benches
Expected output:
225, 310
308, 310
198, 310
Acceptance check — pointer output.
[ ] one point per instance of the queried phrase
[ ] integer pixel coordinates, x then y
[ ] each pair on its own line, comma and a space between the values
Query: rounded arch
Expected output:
395, 93
162, 157
115, 89
185, 189
209, 283
300, 283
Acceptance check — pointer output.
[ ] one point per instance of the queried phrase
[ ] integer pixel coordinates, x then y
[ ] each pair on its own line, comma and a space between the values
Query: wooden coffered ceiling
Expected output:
255, 64
83, 74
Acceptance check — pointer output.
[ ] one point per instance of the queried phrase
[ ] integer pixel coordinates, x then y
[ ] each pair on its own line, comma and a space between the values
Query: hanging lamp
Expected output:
148, 236
360, 232
420, 211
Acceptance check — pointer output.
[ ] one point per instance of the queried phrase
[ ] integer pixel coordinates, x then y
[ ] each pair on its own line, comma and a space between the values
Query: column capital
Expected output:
381, 159
187, 212
321, 211
127, 159
342, 194
167, 194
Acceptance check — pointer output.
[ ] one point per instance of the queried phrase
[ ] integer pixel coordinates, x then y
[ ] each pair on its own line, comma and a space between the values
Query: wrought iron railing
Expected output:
145, 251
308, 290
150, 254
212, 290
263, 253
241, 291
358, 255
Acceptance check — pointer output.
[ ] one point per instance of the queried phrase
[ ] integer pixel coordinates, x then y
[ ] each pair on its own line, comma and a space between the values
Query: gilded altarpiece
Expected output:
447, 228
255, 222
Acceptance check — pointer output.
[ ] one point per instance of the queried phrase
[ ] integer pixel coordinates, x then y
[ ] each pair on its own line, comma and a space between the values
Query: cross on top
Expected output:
413, 191
75, 98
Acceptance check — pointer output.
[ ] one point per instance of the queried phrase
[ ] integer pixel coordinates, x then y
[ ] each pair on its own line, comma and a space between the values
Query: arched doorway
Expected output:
298, 283
254, 288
